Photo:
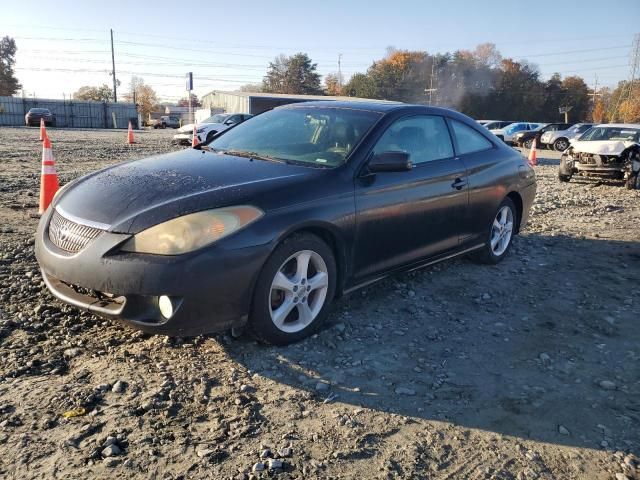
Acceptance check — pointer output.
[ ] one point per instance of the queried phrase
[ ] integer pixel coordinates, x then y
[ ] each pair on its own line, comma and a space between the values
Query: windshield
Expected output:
611, 133
38, 110
315, 136
516, 127
218, 118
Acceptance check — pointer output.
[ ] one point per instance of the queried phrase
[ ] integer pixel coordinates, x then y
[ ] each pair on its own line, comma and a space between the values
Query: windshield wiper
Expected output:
251, 155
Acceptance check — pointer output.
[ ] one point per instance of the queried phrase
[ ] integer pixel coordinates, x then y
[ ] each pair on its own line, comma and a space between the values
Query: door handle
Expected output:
459, 183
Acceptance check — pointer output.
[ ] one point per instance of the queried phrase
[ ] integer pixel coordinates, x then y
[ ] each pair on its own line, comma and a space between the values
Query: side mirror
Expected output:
229, 122
390, 162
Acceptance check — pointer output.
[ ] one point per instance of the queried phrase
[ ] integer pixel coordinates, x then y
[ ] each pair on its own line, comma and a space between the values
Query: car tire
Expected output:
633, 182
507, 217
528, 143
561, 144
210, 136
278, 306
564, 178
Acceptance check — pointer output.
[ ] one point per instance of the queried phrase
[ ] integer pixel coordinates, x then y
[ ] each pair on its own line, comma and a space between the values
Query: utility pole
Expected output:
340, 71
634, 62
431, 89
113, 70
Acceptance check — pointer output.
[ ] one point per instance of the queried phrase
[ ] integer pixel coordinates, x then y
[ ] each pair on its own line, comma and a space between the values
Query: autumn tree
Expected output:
145, 96
251, 87
625, 102
292, 75
332, 84
9, 84
576, 95
103, 93
195, 102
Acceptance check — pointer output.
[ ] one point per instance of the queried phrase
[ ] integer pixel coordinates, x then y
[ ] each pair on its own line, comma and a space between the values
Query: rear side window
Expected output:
424, 137
469, 140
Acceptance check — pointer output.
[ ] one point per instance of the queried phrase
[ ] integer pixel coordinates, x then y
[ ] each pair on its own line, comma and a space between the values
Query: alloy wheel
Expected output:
298, 291
501, 231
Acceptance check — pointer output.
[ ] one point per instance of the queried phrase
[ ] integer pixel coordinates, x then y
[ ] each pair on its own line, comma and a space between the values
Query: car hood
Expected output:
601, 147
189, 127
132, 196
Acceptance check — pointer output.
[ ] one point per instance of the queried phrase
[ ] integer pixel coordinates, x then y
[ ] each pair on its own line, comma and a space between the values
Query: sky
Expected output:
65, 44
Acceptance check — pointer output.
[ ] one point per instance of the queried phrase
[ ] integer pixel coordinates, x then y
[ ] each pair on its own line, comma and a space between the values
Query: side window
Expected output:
469, 140
424, 137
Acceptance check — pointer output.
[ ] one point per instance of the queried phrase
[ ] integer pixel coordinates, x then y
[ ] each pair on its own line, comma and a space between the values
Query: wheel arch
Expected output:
334, 240
517, 201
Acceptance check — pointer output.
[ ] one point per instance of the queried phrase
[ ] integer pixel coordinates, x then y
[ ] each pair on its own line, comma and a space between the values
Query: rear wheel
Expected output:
294, 290
528, 143
499, 236
561, 144
633, 182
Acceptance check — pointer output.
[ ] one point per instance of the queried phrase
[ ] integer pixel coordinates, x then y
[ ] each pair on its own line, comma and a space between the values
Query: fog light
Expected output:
166, 306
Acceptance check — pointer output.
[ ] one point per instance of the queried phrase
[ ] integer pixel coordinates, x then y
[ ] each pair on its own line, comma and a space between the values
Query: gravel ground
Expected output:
529, 369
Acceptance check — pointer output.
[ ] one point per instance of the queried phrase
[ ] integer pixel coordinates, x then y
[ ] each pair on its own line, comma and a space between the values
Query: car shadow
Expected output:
547, 339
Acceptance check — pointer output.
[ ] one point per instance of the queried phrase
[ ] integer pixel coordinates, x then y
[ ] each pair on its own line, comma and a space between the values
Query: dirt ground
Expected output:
528, 369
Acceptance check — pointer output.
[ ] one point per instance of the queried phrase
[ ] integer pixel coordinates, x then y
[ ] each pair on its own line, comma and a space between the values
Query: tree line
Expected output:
479, 82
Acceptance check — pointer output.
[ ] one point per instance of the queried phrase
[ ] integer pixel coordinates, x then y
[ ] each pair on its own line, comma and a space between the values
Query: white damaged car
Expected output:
608, 150
206, 129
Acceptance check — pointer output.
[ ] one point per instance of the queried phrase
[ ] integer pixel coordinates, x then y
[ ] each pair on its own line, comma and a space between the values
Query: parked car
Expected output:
559, 140
609, 150
271, 220
33, 116
167, 121
525, 139
507, 134
209, 127
495, 124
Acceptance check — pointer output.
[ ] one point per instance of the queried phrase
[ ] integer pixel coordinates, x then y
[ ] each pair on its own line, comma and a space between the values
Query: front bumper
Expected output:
210, 289
185, 138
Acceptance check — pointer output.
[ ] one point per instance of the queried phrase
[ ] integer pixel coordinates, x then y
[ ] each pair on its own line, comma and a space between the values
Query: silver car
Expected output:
559, 140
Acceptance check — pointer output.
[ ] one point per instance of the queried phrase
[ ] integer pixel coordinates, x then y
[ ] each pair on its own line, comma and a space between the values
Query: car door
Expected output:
483, 163
405, 216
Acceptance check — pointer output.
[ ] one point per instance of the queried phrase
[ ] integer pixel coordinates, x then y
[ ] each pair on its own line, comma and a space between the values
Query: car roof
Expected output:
381, 107
619, 125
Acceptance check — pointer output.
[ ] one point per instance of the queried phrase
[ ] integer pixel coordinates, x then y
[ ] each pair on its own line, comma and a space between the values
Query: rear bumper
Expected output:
210, 290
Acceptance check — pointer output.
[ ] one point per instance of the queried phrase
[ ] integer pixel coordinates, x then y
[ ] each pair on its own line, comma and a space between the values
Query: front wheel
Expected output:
210, 135
294, 290
500, 235
561, 144
528, 143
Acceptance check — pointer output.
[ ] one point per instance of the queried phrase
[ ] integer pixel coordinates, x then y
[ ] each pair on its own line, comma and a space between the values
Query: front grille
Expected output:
70, 236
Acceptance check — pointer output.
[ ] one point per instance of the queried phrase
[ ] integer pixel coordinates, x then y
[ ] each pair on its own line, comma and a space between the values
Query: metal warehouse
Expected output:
254, 103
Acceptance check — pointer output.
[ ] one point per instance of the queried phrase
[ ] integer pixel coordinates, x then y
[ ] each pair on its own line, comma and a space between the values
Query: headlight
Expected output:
191, 232
201, 130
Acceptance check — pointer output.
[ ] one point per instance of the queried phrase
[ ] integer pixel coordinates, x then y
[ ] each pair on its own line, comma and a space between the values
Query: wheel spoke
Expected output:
281, 282
508, 228
319, 280
302, 261
503, 216
305, 315
279, 315
496, 224
494, 241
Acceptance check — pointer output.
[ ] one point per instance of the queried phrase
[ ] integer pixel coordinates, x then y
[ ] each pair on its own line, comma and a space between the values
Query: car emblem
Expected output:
64, 234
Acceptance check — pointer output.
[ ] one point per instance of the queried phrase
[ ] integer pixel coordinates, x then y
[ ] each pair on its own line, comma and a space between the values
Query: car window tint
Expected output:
469, 140
425, 138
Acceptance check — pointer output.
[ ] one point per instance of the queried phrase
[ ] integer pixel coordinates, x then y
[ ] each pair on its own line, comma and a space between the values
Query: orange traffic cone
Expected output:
43, 130
194, 140
49, 178
533, 156
130, 134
